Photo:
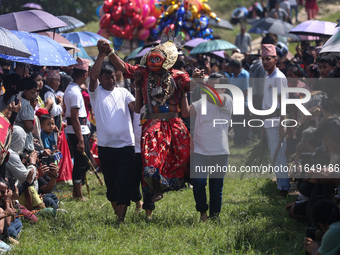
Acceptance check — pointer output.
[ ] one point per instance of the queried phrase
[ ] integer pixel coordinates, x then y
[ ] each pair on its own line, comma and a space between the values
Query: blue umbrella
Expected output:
45, 51
83, 54
84, 39
134, 53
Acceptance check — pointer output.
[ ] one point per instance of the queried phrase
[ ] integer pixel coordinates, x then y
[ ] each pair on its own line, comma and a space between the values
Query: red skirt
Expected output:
166, 152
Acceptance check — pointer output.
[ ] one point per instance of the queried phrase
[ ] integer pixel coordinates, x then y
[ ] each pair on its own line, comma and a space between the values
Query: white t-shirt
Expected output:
275, 80
137, 130
56, 109
210, 140
74, 99
113, 119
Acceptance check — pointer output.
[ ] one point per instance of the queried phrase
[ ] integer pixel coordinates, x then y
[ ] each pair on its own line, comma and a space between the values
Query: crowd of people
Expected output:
150, 126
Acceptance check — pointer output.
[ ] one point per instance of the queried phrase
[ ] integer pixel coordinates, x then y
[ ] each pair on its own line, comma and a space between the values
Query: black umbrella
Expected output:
274, 26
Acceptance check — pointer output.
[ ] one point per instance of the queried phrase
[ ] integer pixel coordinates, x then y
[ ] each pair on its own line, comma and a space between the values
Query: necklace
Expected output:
160, 88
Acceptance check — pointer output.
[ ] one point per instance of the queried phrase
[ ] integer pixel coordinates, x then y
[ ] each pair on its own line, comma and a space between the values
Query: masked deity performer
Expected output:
165, 143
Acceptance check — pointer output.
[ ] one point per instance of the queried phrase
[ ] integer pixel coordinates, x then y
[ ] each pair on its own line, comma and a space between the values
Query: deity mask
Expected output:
155, 60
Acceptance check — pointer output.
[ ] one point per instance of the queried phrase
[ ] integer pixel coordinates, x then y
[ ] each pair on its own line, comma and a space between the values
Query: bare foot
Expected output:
148, 214
81, 199
157, 197
139, 206
204, 217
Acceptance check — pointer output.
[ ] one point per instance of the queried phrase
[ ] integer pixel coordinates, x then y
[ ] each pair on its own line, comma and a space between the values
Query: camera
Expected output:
310, 232
51, 159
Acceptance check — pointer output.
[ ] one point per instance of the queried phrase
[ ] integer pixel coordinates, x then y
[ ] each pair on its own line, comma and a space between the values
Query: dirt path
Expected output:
325, 9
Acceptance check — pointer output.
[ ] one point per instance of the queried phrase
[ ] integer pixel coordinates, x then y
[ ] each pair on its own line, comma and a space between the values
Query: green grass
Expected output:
253, 221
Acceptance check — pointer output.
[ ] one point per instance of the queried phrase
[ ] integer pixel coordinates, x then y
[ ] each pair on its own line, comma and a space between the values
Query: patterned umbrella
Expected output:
213, 45
72, 23
30, 21
63, 41
45, 51
11, 45
84, 39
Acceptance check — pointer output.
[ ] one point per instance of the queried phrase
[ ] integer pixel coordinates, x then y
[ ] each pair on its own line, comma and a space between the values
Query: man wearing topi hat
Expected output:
77, 130
274, 131
47, 93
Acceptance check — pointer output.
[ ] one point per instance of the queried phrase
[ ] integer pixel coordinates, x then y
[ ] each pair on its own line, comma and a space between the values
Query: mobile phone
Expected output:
17, 97
310, 232
44, 161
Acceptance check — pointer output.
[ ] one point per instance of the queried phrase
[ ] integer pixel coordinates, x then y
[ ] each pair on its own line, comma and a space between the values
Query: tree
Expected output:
83, 10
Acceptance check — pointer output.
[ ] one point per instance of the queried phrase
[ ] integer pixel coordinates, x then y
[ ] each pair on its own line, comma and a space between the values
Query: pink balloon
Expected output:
149, 22
143, 34
145, 10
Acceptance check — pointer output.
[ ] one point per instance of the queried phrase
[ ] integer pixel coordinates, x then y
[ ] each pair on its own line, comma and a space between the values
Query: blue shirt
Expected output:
241, 81
48, 141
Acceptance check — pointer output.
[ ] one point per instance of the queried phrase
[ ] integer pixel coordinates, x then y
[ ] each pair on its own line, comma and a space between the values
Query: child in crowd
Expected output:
47, 132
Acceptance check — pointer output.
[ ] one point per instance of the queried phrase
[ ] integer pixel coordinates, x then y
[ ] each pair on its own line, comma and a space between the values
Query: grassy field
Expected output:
253, 221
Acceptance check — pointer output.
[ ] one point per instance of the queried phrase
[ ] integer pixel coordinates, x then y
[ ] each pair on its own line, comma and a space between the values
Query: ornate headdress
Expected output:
169, 45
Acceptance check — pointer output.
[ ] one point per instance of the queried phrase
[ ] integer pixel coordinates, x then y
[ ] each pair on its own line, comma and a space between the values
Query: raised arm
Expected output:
95, 71
117, 62
138, 91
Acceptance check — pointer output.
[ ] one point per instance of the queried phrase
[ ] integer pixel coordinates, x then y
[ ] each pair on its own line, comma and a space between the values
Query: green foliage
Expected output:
253, 221
81, 9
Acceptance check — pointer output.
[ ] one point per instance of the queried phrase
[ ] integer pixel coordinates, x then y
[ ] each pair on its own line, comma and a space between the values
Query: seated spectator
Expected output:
48, 175
326, 217
25, 117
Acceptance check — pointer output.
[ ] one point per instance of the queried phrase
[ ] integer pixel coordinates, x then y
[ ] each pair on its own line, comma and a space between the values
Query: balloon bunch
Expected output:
189, 17
128, 19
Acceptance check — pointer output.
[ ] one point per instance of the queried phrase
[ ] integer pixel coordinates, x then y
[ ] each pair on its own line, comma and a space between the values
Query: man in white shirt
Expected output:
243, 40
274, 130
48, 92
116, 140
77, 130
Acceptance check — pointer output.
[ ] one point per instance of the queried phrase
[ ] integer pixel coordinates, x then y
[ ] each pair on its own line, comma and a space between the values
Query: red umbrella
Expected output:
30, 21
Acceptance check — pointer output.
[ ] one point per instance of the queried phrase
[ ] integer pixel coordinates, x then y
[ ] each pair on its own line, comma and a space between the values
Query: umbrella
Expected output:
72, 23
219, 54
338, 25
274, 26
45, 51
316, 28
134, 53
32, 6
222, 24
256, 30
300, 38
11, 45
213, 45
142, 53
83, 54
30, 21
84, 39
63, 41
193, 43
333, 44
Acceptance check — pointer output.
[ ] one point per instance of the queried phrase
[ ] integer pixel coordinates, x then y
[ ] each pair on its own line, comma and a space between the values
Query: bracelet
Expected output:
112, 51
